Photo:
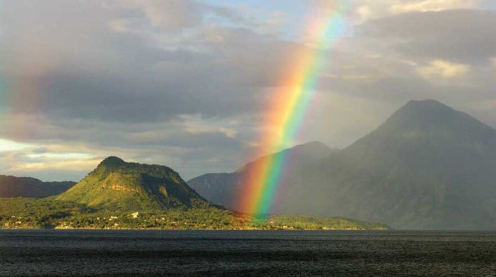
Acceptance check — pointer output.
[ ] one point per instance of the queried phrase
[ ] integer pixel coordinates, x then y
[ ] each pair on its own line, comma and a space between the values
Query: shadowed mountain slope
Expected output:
427, 167
225, 188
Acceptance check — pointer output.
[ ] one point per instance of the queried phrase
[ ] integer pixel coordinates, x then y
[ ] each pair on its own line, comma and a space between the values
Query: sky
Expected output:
185, 83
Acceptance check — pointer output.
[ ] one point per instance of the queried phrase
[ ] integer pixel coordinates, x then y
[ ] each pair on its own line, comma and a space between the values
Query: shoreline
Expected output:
166, 229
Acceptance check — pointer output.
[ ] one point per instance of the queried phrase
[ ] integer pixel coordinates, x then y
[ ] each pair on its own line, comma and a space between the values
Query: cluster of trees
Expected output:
36, 213
316, 223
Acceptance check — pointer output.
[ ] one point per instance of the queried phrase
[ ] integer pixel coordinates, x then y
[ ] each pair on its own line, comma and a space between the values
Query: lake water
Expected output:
246, 253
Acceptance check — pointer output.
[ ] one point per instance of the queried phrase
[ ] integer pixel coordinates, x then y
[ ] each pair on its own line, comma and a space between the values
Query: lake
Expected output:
246, 253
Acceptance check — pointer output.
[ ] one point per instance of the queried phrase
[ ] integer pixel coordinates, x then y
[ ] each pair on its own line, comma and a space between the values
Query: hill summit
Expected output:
118, 185
112, 161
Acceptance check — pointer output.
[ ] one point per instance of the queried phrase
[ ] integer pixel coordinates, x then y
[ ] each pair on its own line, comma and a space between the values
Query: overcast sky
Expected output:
184, 83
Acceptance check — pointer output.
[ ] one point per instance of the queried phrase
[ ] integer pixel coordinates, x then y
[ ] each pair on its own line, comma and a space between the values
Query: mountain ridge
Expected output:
225, 188
312, 150
12, 186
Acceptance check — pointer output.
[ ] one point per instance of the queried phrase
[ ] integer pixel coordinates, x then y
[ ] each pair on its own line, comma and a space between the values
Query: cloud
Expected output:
50, 164
8, 145
141, 73
185, 83
52, 161
447, 35
433, 5
171, 14
443, 69
186, 144
373, 9
120, 25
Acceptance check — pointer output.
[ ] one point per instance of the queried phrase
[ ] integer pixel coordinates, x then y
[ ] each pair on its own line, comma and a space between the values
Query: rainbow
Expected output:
286, 112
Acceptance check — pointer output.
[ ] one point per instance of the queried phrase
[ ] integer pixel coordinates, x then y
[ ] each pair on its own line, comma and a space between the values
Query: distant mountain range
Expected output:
225, 188
11, 186
427, 167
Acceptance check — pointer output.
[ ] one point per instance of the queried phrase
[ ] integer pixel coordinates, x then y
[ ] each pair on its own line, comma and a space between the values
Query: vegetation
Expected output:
37, 213
316, 223
23, 213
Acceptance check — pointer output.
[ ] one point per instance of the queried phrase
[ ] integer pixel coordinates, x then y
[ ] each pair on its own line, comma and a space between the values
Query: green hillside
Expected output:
117, 185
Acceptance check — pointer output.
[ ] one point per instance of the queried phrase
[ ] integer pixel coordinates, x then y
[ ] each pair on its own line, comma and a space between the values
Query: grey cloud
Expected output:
110, 92
128, 77
170, 143
457, 35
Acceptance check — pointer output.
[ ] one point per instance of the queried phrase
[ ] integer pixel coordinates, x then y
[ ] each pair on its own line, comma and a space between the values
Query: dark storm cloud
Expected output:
93, 72
146, 84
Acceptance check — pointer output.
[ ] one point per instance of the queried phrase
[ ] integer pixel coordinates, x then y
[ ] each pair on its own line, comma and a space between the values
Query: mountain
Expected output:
11, 186
118, 185
427, 167
121, 195
224, 188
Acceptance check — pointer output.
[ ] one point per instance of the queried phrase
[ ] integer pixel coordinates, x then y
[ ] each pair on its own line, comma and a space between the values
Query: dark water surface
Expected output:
246, 253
